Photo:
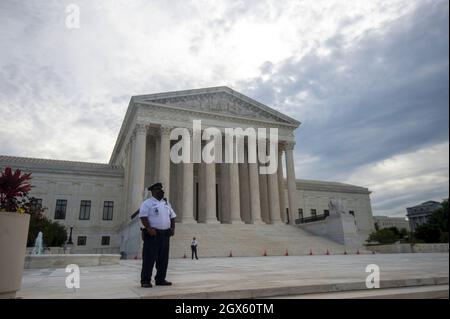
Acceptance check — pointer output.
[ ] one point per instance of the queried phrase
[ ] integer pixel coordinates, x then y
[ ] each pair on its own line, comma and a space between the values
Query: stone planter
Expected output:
13, 242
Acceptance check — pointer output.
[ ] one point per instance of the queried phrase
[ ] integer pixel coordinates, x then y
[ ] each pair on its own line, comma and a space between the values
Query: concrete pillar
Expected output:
291, 181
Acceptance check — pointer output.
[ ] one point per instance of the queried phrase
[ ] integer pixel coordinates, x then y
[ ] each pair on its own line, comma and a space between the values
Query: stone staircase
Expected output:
218, 240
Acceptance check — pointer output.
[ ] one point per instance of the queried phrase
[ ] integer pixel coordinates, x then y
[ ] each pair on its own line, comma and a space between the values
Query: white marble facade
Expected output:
199, 192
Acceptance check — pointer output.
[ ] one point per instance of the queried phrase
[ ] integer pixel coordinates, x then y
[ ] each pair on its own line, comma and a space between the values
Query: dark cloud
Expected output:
361, 98
382, 94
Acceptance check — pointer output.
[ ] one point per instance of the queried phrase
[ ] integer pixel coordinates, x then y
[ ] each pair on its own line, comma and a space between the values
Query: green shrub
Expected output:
384, 236
435, 230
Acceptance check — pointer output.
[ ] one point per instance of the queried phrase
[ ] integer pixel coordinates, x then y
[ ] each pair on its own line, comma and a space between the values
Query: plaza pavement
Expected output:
245, 277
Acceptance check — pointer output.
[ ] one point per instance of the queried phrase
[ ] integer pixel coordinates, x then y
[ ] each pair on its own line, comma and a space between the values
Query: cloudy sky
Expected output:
369, 80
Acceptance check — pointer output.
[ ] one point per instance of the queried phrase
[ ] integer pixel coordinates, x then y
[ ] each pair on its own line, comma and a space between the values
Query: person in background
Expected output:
194, 244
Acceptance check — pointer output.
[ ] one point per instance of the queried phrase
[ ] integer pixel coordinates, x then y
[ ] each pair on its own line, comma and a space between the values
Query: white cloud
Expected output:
64, 93
419, 175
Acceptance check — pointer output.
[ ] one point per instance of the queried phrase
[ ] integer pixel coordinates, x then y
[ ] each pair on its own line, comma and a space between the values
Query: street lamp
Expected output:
69, 242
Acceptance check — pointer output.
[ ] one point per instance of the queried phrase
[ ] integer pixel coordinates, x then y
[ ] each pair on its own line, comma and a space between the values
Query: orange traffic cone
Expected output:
357, 252
345, 252
265, 253
310, 252
327, 253
286, 253
184, 256
231, 254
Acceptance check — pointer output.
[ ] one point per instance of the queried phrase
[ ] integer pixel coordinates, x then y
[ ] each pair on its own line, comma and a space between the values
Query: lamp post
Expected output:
69, 242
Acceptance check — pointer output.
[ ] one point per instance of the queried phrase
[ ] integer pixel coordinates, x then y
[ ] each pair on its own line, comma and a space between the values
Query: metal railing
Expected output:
311, 219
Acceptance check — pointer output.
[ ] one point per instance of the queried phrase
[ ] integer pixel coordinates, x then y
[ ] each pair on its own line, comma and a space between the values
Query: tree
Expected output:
435, 230
54, 234
428, 233
384, 236
404, 233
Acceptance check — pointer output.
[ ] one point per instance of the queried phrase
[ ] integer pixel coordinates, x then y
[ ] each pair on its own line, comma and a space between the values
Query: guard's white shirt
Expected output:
158, 213
194, 243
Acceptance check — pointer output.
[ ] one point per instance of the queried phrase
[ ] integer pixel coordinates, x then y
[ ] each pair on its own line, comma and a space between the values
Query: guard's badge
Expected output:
156, 211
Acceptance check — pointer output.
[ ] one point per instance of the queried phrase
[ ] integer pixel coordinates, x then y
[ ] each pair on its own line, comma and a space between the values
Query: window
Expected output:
313, 212
105, 240
108, 210
81, 240
300, 213
85, 209
351, 212
60, 210
326, 212
36, 204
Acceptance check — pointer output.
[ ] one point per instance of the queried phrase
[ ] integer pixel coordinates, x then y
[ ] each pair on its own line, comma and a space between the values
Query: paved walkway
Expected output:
242, 277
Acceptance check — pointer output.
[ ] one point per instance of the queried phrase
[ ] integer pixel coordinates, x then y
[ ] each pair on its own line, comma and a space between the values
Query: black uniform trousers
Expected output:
156, 249
194, 251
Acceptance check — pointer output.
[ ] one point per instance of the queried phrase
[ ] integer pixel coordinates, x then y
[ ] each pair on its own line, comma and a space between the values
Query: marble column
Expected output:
244, 187
281, 183
201, 193
129, 178
179, 191
255, 204
210, 190
157, 156
164, 160
138, 166
274, 196
188, 190
291, 181
235, 194
224, 194
264, 197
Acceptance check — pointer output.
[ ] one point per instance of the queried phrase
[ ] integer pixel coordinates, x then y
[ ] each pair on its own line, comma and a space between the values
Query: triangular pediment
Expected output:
220, 100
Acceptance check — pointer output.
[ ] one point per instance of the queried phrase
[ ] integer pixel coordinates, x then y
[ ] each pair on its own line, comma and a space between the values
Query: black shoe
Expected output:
146, 285
164, 283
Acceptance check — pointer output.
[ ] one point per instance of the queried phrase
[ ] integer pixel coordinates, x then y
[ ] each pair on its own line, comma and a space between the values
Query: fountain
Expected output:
38, 245
38, 260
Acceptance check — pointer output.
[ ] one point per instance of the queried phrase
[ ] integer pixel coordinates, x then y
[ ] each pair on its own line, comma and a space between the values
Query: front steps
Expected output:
248, 240
414, 292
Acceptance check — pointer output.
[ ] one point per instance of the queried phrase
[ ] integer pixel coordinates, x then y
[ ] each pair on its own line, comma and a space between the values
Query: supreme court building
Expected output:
98, 200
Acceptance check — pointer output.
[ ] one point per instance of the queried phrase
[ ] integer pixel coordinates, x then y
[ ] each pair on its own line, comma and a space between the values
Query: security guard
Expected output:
158, 218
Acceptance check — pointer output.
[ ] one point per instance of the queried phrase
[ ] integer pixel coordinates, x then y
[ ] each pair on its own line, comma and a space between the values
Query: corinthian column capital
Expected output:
289, 146
140, 128
165, 130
